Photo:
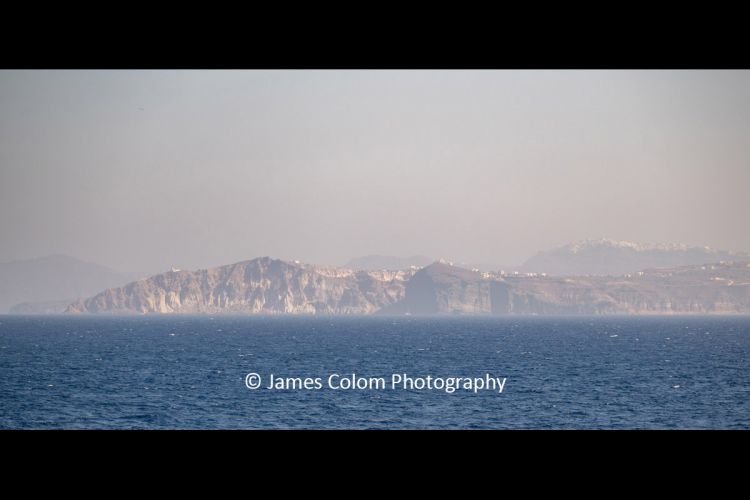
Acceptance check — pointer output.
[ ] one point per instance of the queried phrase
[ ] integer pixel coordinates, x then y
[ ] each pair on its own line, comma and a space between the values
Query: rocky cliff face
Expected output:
441, 288
261, 285
711, 288
269, 286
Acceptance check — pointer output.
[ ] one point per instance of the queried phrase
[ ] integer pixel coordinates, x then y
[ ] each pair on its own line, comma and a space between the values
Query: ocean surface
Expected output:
185, 372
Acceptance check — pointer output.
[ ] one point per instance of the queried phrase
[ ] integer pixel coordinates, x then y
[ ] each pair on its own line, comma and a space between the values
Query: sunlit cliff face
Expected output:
270, 286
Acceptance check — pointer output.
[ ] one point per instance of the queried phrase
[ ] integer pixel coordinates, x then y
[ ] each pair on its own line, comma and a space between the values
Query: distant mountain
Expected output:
380, 262
49, 307
704, 289
53, 278
270, 286
607, 257
259, 286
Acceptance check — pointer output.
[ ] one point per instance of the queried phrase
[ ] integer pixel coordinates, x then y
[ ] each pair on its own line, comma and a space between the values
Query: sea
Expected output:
199, 372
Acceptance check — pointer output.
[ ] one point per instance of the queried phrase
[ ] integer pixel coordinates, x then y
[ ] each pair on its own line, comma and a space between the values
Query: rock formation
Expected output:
263, 285
269, 286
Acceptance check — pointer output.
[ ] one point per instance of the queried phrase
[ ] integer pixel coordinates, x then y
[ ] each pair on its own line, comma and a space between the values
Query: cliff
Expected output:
704, 289
441, 288
269, 286
263, 285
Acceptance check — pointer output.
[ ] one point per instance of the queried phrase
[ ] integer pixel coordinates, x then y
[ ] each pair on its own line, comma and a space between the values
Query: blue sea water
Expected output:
184, 372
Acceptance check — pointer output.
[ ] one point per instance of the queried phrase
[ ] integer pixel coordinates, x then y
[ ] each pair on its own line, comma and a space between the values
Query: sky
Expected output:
141, 170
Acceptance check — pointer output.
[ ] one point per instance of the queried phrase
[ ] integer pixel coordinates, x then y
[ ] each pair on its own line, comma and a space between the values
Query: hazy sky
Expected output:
139, 170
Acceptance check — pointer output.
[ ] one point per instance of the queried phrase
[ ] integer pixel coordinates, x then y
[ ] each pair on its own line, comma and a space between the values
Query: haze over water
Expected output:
141, 170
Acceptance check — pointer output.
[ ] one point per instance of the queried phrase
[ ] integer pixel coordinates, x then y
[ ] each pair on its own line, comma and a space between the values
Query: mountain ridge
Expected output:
257, 286
389, 262
272, 286
605, 256
53, 278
